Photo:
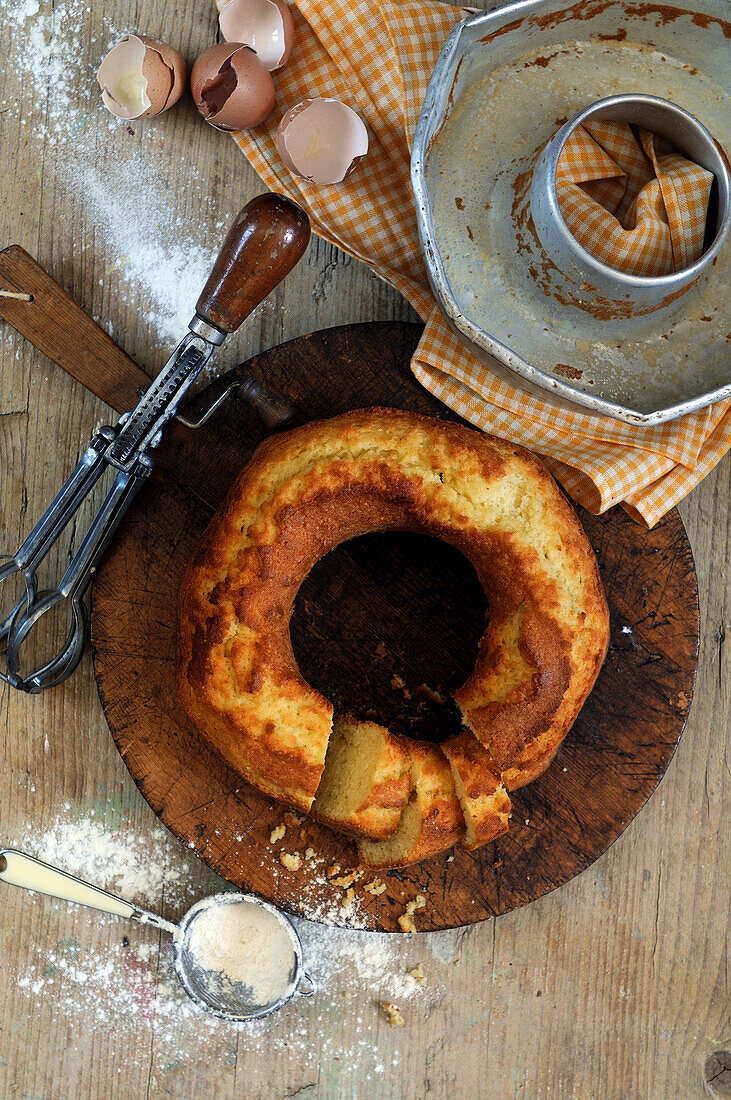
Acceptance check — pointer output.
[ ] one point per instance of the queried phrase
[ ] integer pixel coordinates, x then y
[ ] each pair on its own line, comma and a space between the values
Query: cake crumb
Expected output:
310, 853
406, 923
293, 819
432, 696
406, 920
393, 1014
291, 860
345, 880
417, 974
277, 833
347, 901
398, 684
375, 887
334, 870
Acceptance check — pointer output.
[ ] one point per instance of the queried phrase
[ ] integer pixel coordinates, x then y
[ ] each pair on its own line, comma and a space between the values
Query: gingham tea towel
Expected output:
633, 202
377, 56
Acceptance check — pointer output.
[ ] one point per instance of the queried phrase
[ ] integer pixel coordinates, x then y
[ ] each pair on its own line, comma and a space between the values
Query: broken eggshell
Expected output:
322, 140
265, 25
231, 87
141, 77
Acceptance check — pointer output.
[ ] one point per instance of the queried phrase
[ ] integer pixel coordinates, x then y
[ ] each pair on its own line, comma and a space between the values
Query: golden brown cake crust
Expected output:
485, 803
439, 820
307, 490
442, 819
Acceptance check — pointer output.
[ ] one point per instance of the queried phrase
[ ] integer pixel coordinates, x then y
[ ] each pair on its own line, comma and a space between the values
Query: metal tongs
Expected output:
265, 242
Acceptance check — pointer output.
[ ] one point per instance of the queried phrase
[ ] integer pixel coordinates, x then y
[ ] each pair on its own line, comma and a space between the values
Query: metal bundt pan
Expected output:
504, 83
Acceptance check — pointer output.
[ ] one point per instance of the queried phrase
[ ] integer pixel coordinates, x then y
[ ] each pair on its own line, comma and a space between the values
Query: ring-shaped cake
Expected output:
310, 489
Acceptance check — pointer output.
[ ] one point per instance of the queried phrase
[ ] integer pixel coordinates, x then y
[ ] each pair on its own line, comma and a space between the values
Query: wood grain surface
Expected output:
58, 327
381, 625
615, 987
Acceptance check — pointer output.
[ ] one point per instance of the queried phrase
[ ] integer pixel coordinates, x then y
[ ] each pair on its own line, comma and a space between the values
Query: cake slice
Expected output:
481, 792
432, 820
365, 783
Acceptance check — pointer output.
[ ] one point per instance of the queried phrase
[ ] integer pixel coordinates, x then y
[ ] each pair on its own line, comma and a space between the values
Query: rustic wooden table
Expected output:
614, 986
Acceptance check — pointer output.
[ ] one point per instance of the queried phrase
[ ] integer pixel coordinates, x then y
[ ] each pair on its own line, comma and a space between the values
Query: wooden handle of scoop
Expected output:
265, 242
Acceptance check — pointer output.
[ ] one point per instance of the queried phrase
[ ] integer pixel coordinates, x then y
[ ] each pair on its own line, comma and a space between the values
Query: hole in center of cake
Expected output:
386, 626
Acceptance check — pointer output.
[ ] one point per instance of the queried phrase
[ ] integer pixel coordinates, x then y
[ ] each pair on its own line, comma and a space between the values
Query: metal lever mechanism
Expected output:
266, 241
125, 446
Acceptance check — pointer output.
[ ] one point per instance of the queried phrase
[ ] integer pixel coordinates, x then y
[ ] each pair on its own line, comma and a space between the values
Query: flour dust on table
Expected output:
121, 862
130, 983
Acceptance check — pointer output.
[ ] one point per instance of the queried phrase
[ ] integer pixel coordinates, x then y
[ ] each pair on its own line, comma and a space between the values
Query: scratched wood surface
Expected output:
615, 986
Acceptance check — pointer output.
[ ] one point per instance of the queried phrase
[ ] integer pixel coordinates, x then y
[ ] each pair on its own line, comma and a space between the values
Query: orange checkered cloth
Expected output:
636, 205
377, 56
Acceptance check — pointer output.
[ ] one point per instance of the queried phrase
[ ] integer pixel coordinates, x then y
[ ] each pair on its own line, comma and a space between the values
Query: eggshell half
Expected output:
322, 140
175, 63
141, 77
265, 25
231, 87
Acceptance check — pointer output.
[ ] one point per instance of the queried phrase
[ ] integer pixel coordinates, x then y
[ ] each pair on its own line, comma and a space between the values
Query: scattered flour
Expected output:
49, 48
27, 10
117, 862
130, 983
372, 959
150, 247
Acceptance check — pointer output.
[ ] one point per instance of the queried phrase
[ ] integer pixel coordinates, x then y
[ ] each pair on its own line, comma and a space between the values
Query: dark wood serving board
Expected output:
380, 624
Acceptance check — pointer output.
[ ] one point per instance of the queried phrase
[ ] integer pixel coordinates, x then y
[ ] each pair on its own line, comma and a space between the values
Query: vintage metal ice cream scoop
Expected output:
231, 1000
265, 242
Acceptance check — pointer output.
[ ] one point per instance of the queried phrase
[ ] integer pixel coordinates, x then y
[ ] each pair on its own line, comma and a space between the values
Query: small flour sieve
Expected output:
230, 998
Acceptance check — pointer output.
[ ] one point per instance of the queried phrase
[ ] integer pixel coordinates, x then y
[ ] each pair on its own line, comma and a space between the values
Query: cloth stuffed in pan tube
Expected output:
632, 201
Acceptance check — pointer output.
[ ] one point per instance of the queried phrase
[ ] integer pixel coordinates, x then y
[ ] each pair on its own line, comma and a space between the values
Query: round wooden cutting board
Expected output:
384, 625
